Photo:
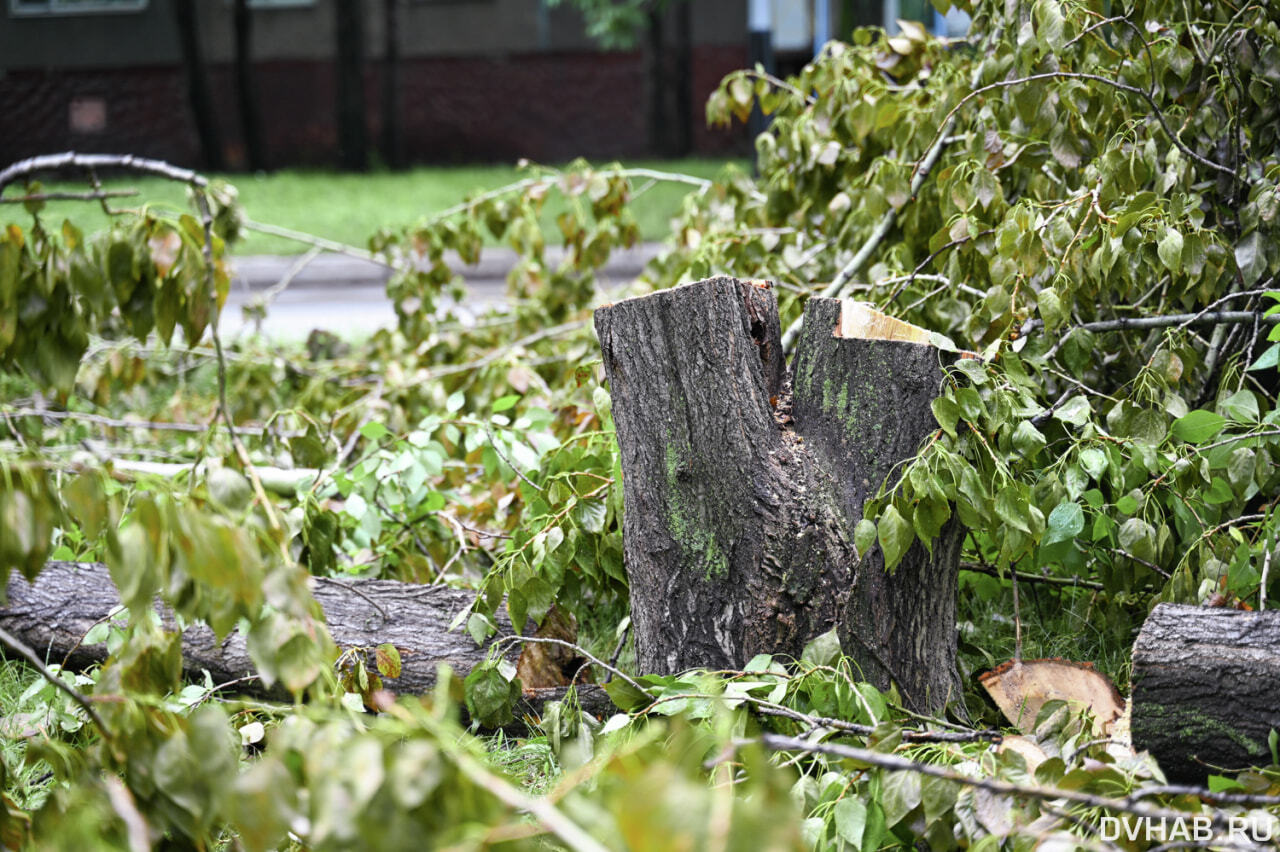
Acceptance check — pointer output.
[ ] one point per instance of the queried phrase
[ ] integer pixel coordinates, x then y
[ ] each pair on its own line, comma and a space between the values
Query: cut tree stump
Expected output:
1206, 689
53, 614
742, 485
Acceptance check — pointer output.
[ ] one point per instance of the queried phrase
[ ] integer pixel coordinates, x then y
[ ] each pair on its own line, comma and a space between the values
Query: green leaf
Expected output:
1138, 538
895, 536
1012, 508
851, 820
822, 650
864, 536
1094, 461
1241, 406
1066, 521
388, 660
947, 413
1048, 30
1250, 257
1028, 440
1269, 358
1075, 411
900, 795
1199, 426
1170, 250
625, 696
1051, 311
502, 403
374, 431
491, 695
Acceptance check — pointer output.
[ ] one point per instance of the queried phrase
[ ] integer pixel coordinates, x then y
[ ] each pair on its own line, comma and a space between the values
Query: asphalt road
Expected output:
346, 295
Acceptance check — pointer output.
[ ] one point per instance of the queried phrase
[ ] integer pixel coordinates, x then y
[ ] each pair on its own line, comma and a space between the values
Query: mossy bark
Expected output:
738, 527
863, 407
1206, 689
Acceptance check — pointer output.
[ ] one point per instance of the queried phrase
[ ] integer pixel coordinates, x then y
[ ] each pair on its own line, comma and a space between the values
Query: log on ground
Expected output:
53, 614
1206, 689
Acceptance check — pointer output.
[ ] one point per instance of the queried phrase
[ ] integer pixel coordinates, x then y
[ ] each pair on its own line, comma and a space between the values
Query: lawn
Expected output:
351, 207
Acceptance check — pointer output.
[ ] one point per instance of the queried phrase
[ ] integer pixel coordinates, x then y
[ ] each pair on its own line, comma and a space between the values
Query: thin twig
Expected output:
568, 831
779, 83
206, 216
312, 240
113, 423
1227, 298
1266, 569
493, 442
928, 260
549, 640
895, 763
17, 645
1154, 567
1024, 577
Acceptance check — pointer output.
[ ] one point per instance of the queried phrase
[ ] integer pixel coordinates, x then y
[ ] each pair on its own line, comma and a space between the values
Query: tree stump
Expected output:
742, 487
1206, 689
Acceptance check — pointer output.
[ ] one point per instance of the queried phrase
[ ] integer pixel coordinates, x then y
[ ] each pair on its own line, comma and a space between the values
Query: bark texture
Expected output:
53, 614
863, 407
738, 527
1206, 689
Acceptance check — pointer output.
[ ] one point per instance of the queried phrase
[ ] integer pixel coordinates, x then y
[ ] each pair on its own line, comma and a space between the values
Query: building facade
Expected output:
478, 80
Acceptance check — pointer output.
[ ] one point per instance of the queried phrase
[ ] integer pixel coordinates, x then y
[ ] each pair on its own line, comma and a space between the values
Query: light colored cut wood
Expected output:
860, 320
1021, 687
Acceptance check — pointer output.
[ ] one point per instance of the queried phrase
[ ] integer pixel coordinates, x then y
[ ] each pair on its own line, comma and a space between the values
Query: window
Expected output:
73, 7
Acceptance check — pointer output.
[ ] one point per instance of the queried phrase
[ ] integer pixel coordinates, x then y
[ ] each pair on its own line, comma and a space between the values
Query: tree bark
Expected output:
193, 65
1206, 689
352, 139
246, 89
53, 614
738, 527
864, 406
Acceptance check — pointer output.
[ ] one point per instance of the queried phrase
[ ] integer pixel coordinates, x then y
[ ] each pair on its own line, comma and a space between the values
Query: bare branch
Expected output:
113, 423
1026, 577
894, 763
72, 160
1165, 321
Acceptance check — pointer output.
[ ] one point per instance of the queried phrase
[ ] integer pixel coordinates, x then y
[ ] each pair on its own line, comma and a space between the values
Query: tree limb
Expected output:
70, 159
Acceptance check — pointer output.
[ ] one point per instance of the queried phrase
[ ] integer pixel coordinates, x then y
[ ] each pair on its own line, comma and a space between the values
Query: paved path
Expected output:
346, 295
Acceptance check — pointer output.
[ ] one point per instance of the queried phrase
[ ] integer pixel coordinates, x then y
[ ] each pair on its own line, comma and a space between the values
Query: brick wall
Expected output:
548, 107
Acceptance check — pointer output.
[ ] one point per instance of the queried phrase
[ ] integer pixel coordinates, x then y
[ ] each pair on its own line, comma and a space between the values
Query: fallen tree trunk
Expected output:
1206, 689
739, 516
53, 614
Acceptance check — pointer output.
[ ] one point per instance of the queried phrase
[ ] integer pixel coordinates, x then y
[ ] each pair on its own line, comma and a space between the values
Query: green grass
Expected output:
26, 783
350, 208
